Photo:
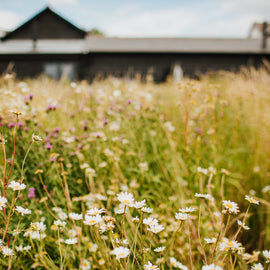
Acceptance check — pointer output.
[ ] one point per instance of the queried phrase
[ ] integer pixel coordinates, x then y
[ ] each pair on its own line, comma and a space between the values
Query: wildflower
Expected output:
92, 220
204, 196
36, 138
250, 258
201, 170
143, 166
120, 252
75, 216
150, 221
136, 219
187, 210
31, 193
251, 200
38, 226
62, 215
210, 240
3, 202
86, 265
150, 266
181, 216
212, 170
7, 251
159, 249
231, 207
147, 210
177, 264
59, 223
243, 225
95, 211
257, 266
125, 198
72, 233
211, 267
71, 241
139, 205
16, 186
227, 245
266, 254
156, 228
22, 210
92, 247
169, 126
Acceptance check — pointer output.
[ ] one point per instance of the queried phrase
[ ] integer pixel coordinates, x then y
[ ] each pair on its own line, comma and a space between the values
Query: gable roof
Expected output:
46, 25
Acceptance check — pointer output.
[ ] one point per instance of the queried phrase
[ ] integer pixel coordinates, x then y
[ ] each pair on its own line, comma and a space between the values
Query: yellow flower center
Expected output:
16, 186
92, 221
229, 205
126, 202
84, 264
121, 254
230, 244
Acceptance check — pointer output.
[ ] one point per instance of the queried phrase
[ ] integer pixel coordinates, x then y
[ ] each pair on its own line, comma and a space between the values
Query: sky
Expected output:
147, 18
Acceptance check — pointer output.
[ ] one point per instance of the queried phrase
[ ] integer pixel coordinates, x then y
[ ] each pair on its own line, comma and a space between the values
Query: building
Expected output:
47, 43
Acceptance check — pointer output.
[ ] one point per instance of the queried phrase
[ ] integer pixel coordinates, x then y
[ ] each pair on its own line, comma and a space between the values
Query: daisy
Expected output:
150, 221
92, 220
266, 254
139, 205
231, 207
86, 265
75, 216
126, 198
181, 216
251, 200
136, 219
159, 249
22, 210
150, 266
36, 138
120, 252
16, 186
257, 266
3, 202
62, 215
204, 196
147, 210
156, 228
210, 240
71, 241
59, 223
7, 251
227, 245
95, 211
243, 225
211, 267
38, 226
187, 210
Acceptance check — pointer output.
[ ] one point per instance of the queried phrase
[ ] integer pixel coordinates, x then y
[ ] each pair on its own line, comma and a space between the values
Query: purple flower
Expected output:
26, 129
31, 96
128, 101
48, 146
11, 124
20, 124
31, 193
57, 129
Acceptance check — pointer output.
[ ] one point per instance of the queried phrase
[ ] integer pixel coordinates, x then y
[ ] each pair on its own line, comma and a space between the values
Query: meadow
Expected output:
124, 174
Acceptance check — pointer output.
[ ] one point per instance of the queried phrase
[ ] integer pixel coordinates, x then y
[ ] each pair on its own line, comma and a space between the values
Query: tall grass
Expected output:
117, 141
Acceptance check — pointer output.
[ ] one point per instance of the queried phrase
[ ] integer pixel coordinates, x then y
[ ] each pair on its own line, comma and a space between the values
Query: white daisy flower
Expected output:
201, 170
266, 254
92, 220
204, 196
59, 223
211, 267
62, 215
86, 265
147, 210
181, 216
16, 186
159, 249
75, 216
71, 241
156, 228
120, 252
187, 210
210, 240
243, 225
136, 219
150, 266
227, 245
3, 202
257, 266
7, 251
126, 198
251, 200
95, 211
150, 221
139, 205
231, 207
22, 210
38, 226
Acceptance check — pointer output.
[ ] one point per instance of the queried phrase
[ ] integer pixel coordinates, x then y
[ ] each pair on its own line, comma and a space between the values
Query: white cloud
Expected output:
62, 2
9, 20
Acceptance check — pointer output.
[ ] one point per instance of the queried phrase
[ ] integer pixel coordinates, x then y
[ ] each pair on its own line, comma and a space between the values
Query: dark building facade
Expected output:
49, 44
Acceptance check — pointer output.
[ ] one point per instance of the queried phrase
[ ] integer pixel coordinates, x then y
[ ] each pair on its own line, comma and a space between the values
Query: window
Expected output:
57, 70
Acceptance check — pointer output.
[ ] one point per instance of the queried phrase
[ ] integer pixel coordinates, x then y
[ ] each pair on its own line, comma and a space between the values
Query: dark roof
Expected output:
47, 24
